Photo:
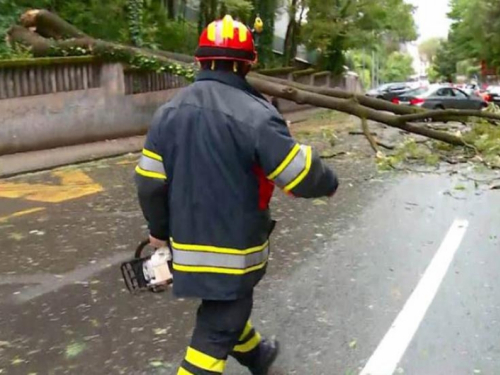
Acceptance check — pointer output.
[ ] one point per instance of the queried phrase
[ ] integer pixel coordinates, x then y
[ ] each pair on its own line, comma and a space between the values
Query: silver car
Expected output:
442, 97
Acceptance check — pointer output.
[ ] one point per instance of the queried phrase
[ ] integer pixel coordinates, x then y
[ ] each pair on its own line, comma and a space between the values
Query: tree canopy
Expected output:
428, 48
398, 67
333, 28
336, 26
474, 38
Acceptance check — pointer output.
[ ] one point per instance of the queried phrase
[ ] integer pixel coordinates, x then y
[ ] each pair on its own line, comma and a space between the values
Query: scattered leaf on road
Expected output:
15, 236
353, 344
4, 344
74, 349
160, 331
17, 361
157, 363
460, 187
318, 202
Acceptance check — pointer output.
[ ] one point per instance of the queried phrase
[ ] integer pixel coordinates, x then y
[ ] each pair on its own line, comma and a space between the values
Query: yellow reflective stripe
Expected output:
220, 250
150, 174
285, 162
183, 372
303, 174
227, 27
204, 361
151, 154
249, 345
227, 271
242, 32
248, 328
211, 32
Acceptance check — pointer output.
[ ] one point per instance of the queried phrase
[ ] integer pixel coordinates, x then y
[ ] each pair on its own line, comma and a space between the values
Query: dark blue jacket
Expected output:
212, 157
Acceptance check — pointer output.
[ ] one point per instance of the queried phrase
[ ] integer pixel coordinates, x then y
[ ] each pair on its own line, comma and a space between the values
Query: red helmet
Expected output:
226, 39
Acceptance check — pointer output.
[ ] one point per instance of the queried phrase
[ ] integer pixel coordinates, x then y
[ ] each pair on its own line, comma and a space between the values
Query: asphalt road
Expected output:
395, 274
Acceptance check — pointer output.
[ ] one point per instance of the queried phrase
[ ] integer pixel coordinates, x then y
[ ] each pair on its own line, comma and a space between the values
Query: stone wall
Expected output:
49, 103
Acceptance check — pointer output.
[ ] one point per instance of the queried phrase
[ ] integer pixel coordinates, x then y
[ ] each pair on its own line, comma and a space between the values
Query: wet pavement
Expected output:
341, 272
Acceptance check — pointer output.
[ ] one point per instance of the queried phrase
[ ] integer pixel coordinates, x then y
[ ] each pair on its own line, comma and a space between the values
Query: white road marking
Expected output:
394, 344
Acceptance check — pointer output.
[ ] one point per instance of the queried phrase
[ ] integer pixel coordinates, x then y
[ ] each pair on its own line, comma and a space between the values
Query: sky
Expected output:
431, 18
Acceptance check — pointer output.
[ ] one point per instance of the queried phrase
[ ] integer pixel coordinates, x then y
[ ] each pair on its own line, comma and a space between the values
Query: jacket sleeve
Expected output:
151, 182
293, 167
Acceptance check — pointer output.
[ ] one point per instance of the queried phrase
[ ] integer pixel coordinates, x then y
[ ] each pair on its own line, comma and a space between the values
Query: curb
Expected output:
14, 164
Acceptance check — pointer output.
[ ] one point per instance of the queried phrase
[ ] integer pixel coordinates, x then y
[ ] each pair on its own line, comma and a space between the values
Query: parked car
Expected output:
389, 91
494, 92
441, 97
471, 88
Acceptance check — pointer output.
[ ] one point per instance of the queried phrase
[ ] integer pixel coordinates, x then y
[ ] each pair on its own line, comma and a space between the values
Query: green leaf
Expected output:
353, 344
74, 349
157, 363
17, 361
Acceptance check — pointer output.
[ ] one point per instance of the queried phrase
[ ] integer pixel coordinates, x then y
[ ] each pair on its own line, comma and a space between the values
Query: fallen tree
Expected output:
46, 34
351, 107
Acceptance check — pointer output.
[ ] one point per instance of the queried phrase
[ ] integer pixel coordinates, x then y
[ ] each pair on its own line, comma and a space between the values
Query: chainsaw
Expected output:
149, 270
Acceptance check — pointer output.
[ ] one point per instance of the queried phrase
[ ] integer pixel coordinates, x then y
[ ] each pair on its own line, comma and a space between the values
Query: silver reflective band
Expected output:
204, 258
293, 169
148, 164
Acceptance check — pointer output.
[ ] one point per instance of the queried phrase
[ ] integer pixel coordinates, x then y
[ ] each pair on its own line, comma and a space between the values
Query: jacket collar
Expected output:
229, 79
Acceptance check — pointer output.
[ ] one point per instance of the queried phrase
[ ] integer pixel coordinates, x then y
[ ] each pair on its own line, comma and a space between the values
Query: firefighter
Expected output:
211, 159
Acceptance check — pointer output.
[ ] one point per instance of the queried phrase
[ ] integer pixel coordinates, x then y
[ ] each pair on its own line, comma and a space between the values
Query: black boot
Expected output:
268, 351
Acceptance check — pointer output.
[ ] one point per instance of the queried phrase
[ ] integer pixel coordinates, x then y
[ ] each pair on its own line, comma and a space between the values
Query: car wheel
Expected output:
483, 106
439, 107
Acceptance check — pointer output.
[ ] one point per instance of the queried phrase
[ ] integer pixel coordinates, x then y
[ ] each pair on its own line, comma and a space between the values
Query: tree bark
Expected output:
49, 25
378, 104
39, 46
369, 137
290, 34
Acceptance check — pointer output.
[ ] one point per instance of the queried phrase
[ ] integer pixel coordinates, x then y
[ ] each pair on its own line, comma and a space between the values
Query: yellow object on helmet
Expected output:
258, 25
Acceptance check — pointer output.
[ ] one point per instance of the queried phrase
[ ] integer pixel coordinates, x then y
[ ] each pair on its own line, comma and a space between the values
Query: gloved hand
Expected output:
156, 243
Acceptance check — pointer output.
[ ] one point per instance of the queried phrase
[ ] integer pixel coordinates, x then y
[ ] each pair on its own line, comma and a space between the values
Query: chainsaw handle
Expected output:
141, 247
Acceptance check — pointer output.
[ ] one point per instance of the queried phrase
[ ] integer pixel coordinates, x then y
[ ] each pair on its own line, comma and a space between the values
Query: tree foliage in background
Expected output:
336, 26
397, 68
361, 62
444, 65
474, 36
135, 10
9, 13
428, 48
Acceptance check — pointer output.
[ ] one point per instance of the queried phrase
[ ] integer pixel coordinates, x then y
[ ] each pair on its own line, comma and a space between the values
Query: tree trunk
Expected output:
171, 9
50, 25
296, 34
350, 107
367, 101
202, 16
290, 32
